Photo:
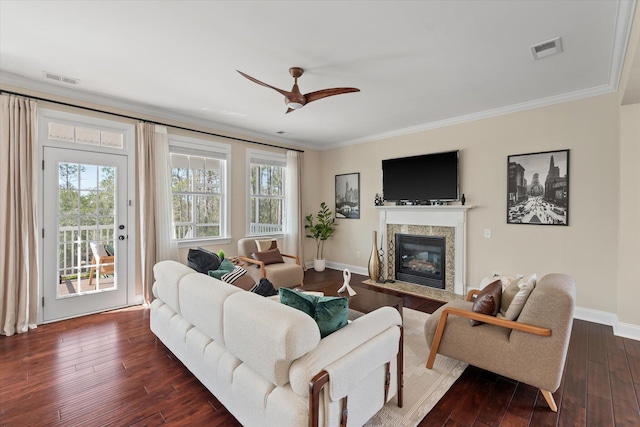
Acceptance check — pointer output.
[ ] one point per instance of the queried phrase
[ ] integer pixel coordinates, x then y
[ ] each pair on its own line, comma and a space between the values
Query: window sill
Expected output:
192, 243
266, 236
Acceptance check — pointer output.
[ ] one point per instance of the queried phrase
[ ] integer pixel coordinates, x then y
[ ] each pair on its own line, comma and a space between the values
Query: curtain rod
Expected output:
148, 121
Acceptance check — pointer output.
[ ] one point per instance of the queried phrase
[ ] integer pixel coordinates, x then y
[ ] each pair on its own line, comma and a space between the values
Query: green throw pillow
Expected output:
330, 313
226, 267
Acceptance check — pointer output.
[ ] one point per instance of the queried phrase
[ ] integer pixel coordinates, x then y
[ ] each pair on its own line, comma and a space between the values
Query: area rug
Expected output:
422, 387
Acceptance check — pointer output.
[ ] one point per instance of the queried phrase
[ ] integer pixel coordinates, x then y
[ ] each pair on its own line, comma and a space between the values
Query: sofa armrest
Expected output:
340, 344
260, 264
347, 372
517, 326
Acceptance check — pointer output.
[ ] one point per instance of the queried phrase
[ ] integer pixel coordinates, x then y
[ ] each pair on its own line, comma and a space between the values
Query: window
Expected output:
266, 192
199, 188
85, 135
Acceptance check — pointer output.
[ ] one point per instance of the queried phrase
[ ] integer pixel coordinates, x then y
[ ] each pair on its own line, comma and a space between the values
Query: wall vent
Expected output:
59, 78
547, 48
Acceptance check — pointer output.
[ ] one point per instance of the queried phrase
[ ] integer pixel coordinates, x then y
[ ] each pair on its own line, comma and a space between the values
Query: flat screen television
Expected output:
428, 177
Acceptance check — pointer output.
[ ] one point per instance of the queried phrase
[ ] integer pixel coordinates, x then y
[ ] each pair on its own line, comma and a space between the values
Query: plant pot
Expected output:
319, 265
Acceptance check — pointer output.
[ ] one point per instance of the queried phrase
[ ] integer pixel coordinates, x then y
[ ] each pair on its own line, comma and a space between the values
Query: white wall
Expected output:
586, 249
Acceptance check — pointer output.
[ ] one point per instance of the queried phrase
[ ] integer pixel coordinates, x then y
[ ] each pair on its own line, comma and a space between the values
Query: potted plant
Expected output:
320, 231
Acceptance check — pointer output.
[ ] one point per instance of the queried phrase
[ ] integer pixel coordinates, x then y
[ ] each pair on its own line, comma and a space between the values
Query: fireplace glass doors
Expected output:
420, 260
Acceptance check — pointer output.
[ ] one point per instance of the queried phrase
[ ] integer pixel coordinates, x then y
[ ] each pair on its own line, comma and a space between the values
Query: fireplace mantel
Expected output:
444, 216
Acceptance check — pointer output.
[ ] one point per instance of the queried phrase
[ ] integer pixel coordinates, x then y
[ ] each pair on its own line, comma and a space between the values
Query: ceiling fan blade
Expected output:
319, 94
283, 92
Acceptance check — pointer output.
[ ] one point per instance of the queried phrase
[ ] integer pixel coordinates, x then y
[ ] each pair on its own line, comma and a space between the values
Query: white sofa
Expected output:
259, 357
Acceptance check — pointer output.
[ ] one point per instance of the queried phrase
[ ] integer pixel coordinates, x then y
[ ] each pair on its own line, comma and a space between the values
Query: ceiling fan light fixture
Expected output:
294, 105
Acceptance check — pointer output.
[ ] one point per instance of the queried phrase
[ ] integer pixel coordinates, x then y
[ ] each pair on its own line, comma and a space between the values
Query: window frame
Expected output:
179, 144
273, 159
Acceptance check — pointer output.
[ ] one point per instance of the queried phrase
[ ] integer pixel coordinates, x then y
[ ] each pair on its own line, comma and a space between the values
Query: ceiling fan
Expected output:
294, 99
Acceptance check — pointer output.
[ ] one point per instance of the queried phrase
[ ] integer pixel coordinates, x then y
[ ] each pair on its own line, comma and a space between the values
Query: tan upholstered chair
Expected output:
531, 349
102, 262
287, 274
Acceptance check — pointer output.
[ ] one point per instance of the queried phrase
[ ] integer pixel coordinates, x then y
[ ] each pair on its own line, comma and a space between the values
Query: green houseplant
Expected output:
320, 231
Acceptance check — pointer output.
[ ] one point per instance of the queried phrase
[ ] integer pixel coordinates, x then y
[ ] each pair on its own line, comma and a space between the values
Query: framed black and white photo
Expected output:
348, 196
538, 188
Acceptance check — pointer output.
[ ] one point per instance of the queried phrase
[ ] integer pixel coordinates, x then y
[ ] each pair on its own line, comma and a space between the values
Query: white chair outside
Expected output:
102, 262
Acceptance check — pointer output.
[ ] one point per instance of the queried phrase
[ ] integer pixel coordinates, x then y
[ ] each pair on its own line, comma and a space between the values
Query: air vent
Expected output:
547, 48
61, 79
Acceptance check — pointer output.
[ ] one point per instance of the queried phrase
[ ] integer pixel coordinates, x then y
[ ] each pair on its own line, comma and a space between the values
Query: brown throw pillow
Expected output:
488, 301
271, 256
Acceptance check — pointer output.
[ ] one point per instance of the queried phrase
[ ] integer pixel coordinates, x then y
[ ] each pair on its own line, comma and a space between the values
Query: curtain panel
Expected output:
157, 242
294, 226
19, 270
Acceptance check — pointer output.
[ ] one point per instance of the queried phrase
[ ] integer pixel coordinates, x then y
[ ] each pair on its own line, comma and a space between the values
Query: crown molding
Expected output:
538, 103
624, 22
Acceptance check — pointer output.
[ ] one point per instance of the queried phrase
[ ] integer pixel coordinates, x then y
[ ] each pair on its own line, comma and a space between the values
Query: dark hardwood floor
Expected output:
108, 369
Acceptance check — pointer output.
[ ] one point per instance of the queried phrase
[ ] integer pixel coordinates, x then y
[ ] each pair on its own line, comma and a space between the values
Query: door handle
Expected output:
120, 237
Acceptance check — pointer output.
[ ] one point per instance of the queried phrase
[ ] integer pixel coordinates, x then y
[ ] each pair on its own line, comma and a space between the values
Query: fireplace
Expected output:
420, 259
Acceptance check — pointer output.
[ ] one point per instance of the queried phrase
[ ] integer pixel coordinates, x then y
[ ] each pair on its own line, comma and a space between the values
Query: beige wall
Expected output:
629, 230
604, 196
586, 249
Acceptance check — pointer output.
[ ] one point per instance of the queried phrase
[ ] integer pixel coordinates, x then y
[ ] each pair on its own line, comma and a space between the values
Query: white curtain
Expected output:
154, 202
18, 193
294, 227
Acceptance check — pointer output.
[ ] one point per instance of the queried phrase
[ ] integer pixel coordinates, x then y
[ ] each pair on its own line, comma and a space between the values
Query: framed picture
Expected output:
348, 196
538, 188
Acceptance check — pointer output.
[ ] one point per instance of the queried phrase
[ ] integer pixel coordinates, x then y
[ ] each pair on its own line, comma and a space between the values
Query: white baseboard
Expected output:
627, 330
596, 316
620, 329
339, 266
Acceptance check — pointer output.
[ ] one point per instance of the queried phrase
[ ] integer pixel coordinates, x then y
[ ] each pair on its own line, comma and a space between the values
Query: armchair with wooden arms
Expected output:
283, 274
532, 349
102, 262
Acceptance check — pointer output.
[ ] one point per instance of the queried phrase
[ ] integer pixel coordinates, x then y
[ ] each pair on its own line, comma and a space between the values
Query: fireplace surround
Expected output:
444, 221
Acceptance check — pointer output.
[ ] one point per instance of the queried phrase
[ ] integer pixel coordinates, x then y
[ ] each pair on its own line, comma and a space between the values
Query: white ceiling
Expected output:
418, 64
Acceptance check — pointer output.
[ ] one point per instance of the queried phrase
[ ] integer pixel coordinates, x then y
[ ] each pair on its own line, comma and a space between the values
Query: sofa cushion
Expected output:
266, 335
508, 293
488, 301
202, 300
330, 313
525, 286
234, 275
265, 245
272, 256
225, 267
265, 288
202, 260
168, 274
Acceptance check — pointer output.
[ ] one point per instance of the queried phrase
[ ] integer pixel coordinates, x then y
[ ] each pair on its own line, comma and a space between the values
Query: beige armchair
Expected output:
531, 349
287, 274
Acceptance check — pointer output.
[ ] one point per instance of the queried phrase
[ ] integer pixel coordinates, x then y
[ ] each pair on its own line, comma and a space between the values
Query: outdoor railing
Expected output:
257, 228
73, 245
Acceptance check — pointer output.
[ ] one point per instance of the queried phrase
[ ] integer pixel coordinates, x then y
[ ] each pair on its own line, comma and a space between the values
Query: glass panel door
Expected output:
85, 232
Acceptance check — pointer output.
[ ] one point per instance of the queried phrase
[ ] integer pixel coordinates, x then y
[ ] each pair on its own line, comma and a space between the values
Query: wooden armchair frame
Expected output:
517, 326
263, 272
